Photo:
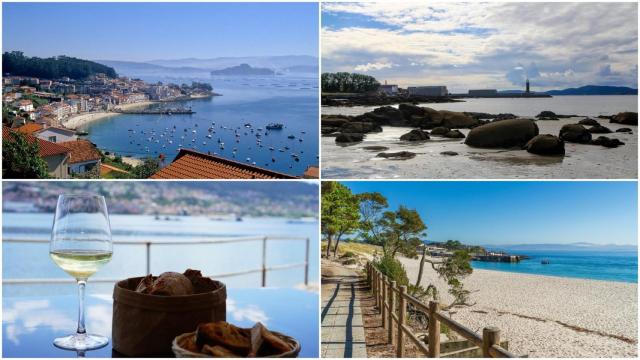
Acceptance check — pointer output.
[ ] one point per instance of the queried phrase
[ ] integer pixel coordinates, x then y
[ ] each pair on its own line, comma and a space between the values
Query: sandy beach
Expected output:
544, 316
76, 121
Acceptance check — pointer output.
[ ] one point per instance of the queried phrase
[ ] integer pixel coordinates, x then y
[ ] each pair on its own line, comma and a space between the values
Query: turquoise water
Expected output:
611, 266
292, 101
31, 260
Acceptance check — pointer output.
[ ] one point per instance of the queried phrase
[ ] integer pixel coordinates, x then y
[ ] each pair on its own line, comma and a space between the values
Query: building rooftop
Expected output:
190, 164
47, 148
29, 128
81, 151
312, 172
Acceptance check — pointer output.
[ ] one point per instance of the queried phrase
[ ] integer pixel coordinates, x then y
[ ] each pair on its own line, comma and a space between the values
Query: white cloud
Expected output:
373, 66
428, 41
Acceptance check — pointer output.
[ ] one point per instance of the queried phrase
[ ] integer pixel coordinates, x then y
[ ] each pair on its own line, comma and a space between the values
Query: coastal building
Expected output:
388, 89
29, 128
24, 105
83, 156
312, 172
190, 164
483, 92
55, 155
56, 134
527, 87
432, 91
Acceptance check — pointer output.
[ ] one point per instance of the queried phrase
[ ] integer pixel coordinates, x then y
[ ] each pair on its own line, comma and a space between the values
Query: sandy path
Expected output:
529, 309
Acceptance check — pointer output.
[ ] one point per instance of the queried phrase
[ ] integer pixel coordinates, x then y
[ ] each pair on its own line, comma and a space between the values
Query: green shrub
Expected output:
392, 268
348, 254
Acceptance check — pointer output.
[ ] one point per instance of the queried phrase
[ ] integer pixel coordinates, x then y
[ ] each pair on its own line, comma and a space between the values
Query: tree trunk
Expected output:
424, 254
335, 249
328, 246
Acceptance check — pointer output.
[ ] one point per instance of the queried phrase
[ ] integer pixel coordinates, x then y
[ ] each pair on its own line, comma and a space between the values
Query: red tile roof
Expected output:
312, 172
81, 151
47, 148
29, 128
190, 164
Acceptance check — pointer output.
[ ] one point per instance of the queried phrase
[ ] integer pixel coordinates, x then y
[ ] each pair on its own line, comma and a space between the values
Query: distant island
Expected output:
596, 90
16, 63
243, 69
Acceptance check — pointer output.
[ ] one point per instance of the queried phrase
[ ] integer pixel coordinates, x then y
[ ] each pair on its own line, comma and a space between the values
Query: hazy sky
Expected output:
490, 45
148, 31
507, 213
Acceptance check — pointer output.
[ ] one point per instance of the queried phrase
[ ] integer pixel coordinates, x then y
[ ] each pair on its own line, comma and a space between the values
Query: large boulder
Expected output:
547, 115
575, 133
439, 131
415, 135
502, 134
625, 118
360, 127
400, 155
589, 122
545, 145
410, 110
349, 138
393, 116
599, 129
326, 130
607, 142
452, 119
333, 120
624, 130
454, 134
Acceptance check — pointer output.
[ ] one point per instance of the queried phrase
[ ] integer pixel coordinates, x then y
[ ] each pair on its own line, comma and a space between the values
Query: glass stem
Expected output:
81, 285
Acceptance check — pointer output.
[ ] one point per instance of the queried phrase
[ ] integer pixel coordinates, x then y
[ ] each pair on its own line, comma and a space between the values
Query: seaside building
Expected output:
483, 92
56, 156
528, 89
29, 128
56, 134
83, 156
433, 91
388, 89
190, 164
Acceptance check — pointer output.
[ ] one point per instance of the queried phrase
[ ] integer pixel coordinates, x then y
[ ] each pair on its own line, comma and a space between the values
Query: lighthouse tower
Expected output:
528, 90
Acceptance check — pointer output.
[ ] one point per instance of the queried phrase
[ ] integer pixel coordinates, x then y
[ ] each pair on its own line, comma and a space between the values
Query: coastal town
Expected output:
49, 111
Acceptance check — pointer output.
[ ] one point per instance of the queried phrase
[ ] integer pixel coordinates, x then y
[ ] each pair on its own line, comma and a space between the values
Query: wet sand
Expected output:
546, 316
580, 162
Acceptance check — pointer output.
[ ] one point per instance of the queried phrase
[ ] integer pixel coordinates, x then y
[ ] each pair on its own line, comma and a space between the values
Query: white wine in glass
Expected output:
80, 245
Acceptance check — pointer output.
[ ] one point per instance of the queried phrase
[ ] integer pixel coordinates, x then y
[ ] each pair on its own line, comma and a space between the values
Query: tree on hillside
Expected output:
404, 229
149, 167
21, 159
340, 214
16, 63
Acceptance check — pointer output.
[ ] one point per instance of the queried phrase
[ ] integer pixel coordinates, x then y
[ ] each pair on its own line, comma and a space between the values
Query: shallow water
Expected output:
580, 162
259, 101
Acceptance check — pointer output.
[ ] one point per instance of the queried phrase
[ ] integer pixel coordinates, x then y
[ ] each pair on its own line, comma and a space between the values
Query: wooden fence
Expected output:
392, 300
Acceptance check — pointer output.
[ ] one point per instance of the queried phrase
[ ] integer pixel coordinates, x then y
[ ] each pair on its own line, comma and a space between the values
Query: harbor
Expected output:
176, 111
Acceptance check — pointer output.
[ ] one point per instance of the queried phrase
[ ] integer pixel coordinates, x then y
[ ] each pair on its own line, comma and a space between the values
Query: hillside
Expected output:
243, 69
595, 90
16, 63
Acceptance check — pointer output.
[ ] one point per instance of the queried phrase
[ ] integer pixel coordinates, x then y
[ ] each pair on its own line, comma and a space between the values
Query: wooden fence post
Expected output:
375, 285
434, 330
384, 300
490, 337
402, 314
392, 309
380, 286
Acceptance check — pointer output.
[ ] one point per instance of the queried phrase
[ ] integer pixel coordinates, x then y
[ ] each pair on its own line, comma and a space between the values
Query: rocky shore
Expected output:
487, 131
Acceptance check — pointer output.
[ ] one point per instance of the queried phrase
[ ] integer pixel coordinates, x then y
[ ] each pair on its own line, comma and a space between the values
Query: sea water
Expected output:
290, 100
604, 265
32, 261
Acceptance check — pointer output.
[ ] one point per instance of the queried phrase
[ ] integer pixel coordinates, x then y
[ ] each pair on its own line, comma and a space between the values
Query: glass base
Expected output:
81, 342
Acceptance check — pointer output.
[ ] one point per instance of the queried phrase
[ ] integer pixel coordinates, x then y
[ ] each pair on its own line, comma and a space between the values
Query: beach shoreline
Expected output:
547, 316
76, 121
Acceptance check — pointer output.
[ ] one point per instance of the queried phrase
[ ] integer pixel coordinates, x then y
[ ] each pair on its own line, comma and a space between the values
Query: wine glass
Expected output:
80, 245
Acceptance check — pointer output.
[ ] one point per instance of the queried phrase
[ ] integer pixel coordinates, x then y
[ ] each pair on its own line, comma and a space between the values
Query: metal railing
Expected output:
147, 244
392, 300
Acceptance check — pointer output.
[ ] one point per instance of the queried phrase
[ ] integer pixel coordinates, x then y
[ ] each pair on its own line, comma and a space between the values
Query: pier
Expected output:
499, 258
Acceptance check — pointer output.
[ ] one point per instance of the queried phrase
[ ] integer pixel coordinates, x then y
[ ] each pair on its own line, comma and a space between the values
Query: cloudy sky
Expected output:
491, 45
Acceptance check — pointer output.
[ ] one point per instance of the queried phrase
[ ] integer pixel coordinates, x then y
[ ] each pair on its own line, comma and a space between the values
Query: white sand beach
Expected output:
544, 316
74, 122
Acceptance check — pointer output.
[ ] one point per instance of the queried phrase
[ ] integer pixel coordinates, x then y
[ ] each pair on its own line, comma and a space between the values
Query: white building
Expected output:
24, 105
56, 134
435, 91
388, 89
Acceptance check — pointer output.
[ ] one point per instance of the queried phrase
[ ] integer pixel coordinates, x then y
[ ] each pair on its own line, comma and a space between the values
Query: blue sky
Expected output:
508, 213
484, 45
149, 31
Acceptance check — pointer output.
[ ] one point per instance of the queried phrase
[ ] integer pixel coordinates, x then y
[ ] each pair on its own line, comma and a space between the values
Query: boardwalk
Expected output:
342, 327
